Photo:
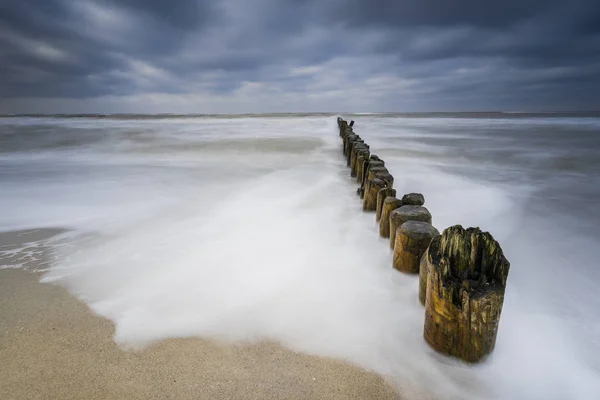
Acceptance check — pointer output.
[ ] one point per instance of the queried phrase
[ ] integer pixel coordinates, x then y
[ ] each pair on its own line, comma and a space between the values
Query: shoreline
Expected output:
53, 346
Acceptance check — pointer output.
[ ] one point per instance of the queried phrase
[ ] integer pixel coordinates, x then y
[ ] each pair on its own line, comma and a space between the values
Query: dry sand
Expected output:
53, 347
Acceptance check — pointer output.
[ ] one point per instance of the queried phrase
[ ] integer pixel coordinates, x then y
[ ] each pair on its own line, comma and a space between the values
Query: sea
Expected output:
247, 228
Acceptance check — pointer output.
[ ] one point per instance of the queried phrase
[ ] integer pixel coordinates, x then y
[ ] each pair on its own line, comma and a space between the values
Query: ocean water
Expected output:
248, 228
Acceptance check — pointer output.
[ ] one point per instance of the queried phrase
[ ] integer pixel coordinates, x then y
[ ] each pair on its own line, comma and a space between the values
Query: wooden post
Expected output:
466, 280
386, 176
360, 166
373, 173
373, 162
352, 145
350, 142
347, 132
366, 165
342, 125
423, 277
412, 239
389, 205
381, 196
413, 199
370, 202
349, 138
356, 151
404, 214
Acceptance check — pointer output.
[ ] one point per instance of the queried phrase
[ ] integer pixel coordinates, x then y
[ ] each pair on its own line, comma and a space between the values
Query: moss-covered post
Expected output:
347, 140
412, 239
345, 134
404, 214
413, 199
354, 143
368, 163
386, 176
361, 155
342, 125
389, 205
350, 139
374, 162
372, 173
466, 280
360, 148
381, 196
373, 170
370, 201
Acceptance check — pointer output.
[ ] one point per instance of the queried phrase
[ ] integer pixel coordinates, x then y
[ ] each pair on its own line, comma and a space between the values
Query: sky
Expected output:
243, 56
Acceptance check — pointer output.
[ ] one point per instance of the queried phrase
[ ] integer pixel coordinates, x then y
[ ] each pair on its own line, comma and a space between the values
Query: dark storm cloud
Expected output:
440, 12
57, 47
468, 53
185, 14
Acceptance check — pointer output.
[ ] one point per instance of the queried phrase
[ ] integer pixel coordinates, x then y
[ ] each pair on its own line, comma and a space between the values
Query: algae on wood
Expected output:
413, 199
466, 280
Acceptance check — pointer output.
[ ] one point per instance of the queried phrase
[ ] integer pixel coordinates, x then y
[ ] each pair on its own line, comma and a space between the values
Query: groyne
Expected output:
462, 272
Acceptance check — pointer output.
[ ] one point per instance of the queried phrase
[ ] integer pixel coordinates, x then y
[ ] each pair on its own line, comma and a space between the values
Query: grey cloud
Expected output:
181, 14
529, 51
53, 40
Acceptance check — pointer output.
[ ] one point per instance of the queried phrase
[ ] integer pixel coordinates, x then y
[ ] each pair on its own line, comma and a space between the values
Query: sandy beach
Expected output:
53, 347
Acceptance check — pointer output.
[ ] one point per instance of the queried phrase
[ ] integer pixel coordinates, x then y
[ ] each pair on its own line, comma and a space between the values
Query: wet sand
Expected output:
53, 347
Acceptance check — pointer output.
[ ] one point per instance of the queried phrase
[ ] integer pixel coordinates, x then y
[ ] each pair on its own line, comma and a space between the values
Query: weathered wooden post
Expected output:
413, 199
389, 205
372, 162
348, 137
358, 149
381, 196
423, 277
360, 166
342, 125
404, 214
362, 155
347, 140
412, 239
356, 142
346, 130
370, 201
372, 173
466, 280
374, 169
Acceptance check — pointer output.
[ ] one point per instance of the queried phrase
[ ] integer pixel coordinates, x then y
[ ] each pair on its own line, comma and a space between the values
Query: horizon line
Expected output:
165, 114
